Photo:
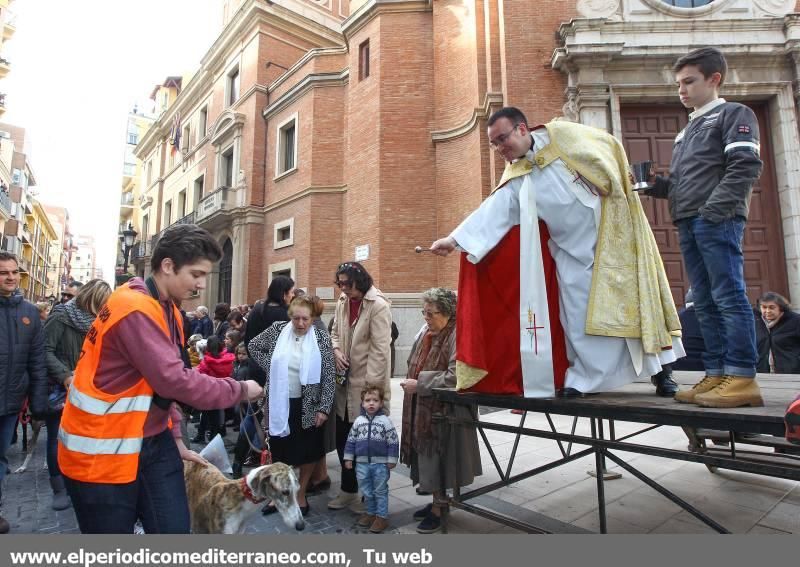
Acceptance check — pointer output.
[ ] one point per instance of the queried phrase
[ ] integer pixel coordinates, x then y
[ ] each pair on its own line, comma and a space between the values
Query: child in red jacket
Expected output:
218, 363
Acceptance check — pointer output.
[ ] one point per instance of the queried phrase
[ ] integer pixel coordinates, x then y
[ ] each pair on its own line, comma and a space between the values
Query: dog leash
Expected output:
265, 451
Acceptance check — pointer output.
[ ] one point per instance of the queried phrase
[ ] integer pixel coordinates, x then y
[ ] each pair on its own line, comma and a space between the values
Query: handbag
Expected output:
56, 398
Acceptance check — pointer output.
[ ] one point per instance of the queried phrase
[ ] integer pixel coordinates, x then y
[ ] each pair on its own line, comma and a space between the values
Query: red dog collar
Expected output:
248, 493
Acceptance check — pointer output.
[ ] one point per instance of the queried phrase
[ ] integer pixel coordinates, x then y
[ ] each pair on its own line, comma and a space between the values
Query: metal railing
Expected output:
5, 202
187, 219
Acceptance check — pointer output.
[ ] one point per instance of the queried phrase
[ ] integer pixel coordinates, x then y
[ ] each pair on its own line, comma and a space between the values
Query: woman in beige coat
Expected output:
361, 335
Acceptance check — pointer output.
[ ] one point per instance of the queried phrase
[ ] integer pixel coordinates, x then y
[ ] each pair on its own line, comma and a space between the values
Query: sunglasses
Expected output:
342, 285
68, 295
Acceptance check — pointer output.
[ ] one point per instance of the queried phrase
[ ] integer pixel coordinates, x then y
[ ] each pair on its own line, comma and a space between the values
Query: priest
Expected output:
561, 287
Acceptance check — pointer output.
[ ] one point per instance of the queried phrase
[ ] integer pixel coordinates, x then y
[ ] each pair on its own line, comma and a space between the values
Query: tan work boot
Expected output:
732, 392
706, 384
379, 525
343, 500
366, 520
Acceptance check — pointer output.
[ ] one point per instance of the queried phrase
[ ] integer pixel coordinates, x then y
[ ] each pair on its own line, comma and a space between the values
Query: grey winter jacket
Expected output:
22, 364
715, 163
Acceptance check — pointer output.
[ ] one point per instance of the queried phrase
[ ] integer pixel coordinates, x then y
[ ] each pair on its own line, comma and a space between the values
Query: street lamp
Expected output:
128, 237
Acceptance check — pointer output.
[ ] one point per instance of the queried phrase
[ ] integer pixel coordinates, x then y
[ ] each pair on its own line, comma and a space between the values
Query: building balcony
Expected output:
188, 219
26, 234
5, 67
12, 244
143, 248
24, 264
5, 204
13, 228
2, 103
126, 200
213, 204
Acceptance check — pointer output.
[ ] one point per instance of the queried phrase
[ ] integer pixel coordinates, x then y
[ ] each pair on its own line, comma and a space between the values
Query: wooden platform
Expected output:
760, 430
638, 403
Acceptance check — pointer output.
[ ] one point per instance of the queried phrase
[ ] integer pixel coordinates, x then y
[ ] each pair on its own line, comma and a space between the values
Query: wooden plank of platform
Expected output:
544, 523
638, 403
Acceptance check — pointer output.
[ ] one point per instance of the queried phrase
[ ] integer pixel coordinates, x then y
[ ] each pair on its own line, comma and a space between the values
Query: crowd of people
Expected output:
118, 376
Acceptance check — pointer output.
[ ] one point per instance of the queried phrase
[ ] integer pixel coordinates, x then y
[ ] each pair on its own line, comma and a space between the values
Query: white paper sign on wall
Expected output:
325, 292
362, 253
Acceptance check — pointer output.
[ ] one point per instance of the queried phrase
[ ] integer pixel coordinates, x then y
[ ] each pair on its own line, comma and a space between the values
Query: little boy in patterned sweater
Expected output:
374, 446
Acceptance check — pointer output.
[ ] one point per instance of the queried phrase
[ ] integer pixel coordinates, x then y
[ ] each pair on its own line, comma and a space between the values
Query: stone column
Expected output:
593, 109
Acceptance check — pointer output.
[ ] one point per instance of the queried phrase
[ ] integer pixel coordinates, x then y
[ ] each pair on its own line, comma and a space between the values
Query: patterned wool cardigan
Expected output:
372, 440
316, 397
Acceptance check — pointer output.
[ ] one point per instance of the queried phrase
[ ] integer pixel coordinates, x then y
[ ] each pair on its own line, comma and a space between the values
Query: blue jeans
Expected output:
714, 260
373, 480
157, 497
8, 423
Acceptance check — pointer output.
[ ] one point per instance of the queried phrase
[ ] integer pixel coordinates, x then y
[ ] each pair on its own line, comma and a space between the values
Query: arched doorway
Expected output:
225, 273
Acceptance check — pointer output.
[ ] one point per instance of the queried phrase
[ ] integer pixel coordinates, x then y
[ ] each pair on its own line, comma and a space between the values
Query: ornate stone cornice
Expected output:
489, 100
308, 191
314, 80
310, 54
373, 8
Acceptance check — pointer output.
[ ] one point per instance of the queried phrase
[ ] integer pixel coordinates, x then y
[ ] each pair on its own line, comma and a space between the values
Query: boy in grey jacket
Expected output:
715, 163
375, 447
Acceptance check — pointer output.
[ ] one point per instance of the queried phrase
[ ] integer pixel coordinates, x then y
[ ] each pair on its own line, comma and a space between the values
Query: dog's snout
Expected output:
300, 526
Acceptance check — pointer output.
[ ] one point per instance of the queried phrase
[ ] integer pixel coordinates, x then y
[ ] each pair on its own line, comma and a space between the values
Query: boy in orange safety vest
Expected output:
119, 445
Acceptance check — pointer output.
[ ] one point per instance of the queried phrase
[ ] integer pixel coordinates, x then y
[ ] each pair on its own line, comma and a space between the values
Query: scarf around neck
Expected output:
310, 371
431, 353
77, 318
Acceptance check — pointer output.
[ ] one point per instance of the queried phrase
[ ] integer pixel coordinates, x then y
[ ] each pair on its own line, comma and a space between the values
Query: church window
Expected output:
363, 60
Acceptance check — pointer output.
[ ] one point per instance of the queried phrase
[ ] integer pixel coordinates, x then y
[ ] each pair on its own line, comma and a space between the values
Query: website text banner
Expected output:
393, 551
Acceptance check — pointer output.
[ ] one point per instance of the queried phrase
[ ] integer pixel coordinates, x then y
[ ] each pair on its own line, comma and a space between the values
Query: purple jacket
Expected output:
137, 347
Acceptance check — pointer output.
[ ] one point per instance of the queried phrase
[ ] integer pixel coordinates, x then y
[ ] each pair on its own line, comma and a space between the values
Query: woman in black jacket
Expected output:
275, 308
777, 336
64, 332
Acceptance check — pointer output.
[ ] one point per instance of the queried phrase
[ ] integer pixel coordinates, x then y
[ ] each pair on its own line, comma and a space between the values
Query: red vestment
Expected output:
488, 316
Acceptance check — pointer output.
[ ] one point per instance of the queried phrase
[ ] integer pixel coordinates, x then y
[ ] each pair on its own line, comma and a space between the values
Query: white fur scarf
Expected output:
310, 371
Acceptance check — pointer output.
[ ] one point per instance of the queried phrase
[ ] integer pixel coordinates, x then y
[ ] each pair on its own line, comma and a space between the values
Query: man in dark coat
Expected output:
22, 362
777, 336
204, 324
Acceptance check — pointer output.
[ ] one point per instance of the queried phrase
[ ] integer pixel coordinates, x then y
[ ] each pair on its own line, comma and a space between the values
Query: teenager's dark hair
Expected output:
709, 60
773, 297
357, 274
278, 288
8, 256
184, 244
213, 346
512, 113
221, 311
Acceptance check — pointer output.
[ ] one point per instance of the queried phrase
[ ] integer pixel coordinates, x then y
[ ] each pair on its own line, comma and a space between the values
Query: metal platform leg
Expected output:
601, 493
607, 475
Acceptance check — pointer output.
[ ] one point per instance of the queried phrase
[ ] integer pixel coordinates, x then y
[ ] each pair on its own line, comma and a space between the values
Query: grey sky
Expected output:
76, 69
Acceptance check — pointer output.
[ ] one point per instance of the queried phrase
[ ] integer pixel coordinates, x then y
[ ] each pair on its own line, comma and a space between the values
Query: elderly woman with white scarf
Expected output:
298, 361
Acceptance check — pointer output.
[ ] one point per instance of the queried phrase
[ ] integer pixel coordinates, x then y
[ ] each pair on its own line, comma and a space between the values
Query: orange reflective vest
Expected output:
101, 434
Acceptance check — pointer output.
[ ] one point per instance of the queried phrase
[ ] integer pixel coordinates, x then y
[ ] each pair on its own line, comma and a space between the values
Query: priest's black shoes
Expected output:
666, 387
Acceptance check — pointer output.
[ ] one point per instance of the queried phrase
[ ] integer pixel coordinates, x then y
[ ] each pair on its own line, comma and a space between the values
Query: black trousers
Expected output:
349, 482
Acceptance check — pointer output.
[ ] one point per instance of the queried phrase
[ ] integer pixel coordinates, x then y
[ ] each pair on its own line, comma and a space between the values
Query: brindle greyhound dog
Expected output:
219, 505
